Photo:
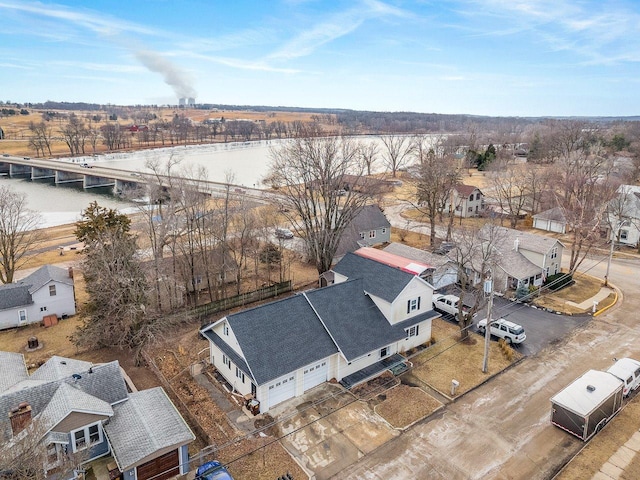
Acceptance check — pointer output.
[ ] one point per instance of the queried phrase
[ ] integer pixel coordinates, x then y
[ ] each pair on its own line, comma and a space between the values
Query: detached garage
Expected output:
587, 404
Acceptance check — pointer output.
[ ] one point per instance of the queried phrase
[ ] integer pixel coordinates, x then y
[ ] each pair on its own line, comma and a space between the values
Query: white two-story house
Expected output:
349, 331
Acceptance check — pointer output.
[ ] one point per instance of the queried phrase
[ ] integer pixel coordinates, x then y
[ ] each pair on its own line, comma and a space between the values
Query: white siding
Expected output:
417, 288
229, 372
338, 278
347, 368
424, 334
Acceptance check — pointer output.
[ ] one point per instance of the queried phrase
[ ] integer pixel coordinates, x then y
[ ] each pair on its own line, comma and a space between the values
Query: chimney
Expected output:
70, 271
20, 417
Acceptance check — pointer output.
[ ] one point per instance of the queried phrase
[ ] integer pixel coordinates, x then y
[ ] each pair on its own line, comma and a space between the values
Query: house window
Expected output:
225, 329
86, 436
554, 252
239, 374
458, 208
43, 309
384, 352
372, 234
471, 198
413, 331
413, 305
470, 209
384, 230
22, 316
226, 361
362, 235
624, 234
52, 290
478, 196
198, 280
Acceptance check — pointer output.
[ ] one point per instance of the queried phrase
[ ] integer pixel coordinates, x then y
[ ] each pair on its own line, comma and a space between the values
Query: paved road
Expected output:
502, 430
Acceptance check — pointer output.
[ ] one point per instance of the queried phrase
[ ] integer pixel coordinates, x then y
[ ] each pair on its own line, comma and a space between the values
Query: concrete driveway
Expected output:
327, 430
502, 430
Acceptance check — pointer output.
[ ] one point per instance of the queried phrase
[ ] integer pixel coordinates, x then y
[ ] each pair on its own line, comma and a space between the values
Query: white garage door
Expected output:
315, 374
282, 389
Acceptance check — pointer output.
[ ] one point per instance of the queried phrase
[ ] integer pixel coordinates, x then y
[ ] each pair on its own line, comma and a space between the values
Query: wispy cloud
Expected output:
99, 67
335, 26
599, 32
99, 23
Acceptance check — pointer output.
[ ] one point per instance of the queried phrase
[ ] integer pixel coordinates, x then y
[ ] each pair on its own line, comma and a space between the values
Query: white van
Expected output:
627, 370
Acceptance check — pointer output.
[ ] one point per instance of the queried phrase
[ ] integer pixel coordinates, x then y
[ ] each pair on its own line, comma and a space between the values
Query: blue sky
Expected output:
494, 57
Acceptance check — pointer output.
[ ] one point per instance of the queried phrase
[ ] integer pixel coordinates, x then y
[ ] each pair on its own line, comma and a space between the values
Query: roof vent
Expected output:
591, 388
75, 376
63, 362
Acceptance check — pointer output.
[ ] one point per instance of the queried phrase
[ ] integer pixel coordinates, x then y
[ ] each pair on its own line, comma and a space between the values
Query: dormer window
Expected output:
554, 252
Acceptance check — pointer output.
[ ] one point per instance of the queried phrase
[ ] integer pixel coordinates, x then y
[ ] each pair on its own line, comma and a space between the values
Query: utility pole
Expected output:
614, 236
488, 289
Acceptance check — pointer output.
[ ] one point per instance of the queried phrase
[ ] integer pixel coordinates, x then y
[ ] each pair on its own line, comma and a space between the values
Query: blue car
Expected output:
213, 471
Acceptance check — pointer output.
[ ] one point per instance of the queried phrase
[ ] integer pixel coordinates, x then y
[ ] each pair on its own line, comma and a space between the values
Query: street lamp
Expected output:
619, 225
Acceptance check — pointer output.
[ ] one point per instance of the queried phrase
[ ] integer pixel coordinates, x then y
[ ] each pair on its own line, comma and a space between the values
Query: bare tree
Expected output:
436, 176
75, 134
40, 140
369, 154
18, 234
396, 151
311, 173
511, 188
476, 254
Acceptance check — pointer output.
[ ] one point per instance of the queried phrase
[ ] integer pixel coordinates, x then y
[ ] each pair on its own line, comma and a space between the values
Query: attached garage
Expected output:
281, 389
315, 374
161, 468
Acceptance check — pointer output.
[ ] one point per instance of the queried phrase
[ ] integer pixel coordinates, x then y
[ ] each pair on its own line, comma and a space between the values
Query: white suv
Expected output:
511, 332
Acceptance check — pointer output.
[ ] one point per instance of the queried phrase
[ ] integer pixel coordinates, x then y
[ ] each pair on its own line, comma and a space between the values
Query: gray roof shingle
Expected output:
69, 399
14, 370
380, 280
44, 275
355, 322
417, 255
280, 337
369, 218
104, 383
57, 368
14, 295
144, 424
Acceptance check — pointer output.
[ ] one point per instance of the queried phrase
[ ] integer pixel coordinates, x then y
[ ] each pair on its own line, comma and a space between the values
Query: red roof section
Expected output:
392, 260
463, 189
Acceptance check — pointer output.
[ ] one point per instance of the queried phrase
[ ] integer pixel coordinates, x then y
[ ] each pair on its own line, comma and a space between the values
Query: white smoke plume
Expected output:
177, 79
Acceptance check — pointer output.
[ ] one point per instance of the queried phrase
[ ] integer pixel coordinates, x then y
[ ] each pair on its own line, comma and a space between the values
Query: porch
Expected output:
395, 363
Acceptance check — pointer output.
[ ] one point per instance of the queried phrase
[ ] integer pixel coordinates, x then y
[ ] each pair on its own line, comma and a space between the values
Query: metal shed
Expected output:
586, 405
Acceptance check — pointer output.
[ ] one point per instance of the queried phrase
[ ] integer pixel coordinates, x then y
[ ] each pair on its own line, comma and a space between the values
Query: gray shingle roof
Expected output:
506, 238
417, 254
105, 383
144, 424
14, 370
355, 322
14, 295
44, 275
280, 337
554, 214
57, 368
380, 280
369, 218
69, 399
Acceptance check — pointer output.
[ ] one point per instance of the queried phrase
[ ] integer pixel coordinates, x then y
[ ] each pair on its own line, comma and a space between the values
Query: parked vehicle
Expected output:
585, 406
509, 331
448, 304
283, 233
627, 370
213, 471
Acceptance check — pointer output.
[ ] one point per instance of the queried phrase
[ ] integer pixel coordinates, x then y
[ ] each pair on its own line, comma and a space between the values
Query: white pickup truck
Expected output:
627, 370
448, 304
511, 332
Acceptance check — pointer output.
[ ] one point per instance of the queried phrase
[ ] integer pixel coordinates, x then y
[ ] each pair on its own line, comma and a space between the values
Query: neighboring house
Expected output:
465, 201
47, 291
370, 227
624, 216
521, 258
350, 331
442, 271
552, 220
80, 408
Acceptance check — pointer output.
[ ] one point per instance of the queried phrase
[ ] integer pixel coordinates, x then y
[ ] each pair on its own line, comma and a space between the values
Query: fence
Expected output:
204, 311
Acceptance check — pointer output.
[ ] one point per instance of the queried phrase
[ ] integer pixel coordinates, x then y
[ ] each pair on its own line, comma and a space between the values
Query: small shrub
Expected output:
522, 292
558, 281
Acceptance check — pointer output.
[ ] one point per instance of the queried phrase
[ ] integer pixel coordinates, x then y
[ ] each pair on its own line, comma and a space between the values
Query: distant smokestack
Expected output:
173, 76
20, 417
